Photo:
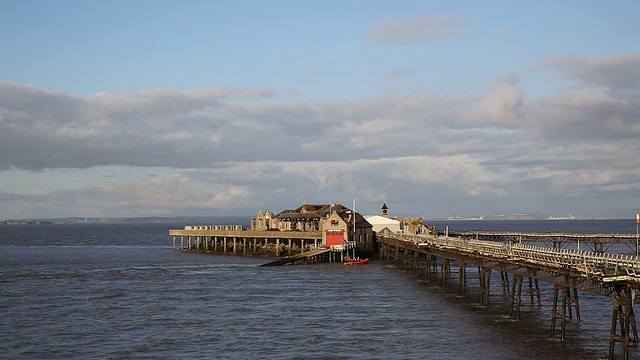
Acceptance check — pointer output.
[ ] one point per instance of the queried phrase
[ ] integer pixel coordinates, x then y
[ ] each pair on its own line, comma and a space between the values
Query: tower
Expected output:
385, 209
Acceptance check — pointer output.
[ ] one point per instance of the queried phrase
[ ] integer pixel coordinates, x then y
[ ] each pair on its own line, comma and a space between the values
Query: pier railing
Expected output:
604, 266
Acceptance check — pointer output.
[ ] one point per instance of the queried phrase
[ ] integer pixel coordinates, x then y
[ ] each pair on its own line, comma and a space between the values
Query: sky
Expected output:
212, 108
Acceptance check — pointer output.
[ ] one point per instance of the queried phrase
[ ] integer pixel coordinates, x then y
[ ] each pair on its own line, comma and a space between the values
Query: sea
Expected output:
120, 291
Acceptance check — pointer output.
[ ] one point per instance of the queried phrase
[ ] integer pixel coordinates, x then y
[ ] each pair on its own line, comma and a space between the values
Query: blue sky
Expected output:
136, 108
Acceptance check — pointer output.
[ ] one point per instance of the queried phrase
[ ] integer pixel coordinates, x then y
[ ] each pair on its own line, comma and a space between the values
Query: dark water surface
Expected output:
121, 291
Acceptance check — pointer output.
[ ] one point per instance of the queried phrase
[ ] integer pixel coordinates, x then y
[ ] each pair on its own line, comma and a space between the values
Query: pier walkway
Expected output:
616, 276
596, 242
302, 258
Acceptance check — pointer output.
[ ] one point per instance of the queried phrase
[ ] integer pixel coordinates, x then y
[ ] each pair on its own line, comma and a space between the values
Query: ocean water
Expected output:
122, 292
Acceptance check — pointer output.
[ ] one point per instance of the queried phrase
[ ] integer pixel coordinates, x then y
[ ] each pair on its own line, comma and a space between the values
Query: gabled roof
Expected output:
380, 220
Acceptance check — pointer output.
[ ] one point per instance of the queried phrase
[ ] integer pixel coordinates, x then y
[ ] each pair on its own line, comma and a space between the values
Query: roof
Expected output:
380, 220
317, 211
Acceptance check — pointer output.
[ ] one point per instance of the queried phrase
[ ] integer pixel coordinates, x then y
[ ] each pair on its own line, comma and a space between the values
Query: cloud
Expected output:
40, 128
585, 116
238, 150
241, 188
501, 108
618, 73
417, 29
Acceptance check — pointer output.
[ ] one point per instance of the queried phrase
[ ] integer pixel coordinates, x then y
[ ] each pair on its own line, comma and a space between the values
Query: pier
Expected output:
293, 246
616, 276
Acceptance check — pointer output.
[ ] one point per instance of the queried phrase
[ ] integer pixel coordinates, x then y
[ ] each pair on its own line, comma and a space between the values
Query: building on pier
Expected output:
265, 221
416, 226
337, 223
384, 225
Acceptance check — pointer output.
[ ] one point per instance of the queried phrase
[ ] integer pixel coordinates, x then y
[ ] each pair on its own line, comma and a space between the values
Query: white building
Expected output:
383, 224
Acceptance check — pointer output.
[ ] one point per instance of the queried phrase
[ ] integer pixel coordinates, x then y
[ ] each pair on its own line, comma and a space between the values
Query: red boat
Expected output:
352, 261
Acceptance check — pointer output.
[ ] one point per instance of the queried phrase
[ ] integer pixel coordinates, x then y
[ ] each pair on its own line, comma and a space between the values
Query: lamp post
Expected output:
354, 216
355, 235
637, 232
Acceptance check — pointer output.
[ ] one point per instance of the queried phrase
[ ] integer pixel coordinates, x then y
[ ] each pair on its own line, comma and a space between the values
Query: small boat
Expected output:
352, 261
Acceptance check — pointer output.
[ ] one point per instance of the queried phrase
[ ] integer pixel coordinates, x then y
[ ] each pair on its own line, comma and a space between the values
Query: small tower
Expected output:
385, 209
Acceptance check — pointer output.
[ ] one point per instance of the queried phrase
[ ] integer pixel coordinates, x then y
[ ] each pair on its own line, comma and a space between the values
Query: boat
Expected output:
352, 261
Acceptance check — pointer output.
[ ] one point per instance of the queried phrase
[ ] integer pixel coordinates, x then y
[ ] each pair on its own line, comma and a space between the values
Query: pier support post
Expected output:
624, 314
554, 312
445, 268
534, 291
485, 285
405, 262
427, 273
395, 259
576, 304
427, 265
463, 278
504, 280
516, 300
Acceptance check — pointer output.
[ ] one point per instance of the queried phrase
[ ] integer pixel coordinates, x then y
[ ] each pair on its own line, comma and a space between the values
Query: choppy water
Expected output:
121, 291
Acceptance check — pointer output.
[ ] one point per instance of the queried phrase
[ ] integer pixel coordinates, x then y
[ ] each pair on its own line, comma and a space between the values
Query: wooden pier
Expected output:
291, 246
616, 276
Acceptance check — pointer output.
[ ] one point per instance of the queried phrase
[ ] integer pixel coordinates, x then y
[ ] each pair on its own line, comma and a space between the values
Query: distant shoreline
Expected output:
245, 220
24, 222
